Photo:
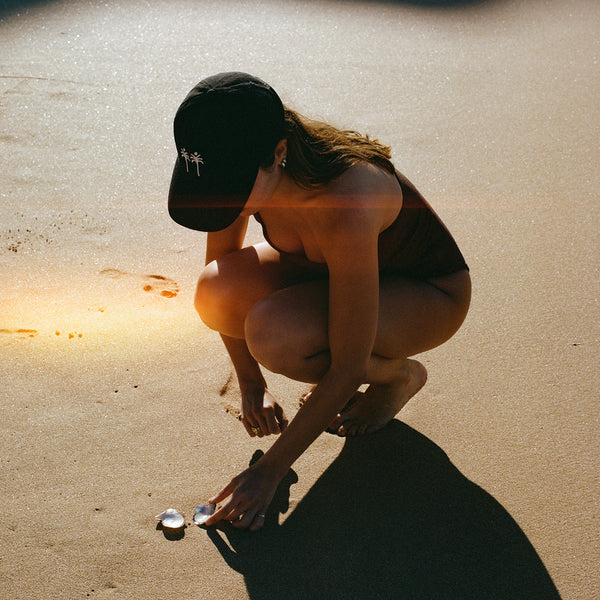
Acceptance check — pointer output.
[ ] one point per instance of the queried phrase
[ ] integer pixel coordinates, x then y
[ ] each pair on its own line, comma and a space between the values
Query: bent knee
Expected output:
213, 300
204, 299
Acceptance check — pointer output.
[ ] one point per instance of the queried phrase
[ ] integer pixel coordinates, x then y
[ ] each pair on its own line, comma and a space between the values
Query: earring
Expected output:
283, 163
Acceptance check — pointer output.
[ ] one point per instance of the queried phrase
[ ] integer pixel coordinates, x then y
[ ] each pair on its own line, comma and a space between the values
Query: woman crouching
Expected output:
356, 274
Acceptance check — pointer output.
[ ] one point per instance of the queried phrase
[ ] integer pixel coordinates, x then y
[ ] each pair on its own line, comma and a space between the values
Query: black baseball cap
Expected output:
226, 127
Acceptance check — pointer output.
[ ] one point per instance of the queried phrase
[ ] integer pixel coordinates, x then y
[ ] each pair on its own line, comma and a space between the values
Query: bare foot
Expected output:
369, 411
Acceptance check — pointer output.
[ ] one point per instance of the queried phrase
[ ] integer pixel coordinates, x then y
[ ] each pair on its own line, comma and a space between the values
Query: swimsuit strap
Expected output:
265, 234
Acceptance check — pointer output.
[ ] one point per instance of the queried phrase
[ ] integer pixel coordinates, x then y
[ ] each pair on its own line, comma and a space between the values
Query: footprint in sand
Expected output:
155, 284
21, 333
161, 285
25, 333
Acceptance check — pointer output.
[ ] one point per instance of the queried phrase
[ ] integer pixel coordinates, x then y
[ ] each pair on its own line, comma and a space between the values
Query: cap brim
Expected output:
207, 206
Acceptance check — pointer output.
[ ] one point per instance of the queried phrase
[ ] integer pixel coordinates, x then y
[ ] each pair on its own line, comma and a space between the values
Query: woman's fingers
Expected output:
252, 430
254, 427
262, 415
271, 423
274, 419
281, 418
262, 422
239, 517
270, 420
219, 515
258, 522
246, 498
230, 511
244, 520
250, 519
226, 491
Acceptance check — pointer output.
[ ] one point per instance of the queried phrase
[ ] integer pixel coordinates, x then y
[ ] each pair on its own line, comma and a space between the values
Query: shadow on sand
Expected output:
390, 518
429, 3
8, 7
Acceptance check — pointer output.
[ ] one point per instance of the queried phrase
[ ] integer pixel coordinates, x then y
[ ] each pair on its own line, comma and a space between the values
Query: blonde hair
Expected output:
317, 152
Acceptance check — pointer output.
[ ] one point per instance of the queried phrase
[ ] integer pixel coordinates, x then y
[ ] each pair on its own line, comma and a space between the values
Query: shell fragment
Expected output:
202, 513
171, 519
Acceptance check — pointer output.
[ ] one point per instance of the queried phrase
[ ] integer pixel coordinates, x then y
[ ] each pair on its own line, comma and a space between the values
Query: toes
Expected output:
344, 429
374, 428
363, 429
258, 522
334, 425
358, 429
341, 431
353, 428
304, 398
342, 415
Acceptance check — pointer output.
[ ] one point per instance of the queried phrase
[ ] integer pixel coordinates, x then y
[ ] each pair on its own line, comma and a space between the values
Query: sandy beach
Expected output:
117, 402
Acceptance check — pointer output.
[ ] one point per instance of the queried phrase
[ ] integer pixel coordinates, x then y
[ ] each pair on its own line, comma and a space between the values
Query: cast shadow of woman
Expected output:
390, 518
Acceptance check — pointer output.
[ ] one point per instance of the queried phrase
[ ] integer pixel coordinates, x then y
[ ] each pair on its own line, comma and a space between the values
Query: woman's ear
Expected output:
280, 151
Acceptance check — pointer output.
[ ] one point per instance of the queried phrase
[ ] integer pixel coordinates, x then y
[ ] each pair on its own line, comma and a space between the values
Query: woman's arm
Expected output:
261, 414
350, 248
220, 243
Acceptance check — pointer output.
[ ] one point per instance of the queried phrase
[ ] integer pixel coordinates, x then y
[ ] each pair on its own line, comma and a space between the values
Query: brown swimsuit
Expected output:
417, 244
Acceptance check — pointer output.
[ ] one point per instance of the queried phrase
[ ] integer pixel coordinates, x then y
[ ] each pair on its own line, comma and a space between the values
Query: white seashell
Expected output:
202, 513
171, 518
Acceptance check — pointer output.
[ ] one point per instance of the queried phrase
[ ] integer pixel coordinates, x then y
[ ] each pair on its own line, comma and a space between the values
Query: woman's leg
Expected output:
280, 308
230, 286
286, 331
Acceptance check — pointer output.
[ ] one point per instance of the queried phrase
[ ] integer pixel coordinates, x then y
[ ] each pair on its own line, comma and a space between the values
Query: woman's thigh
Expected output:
229, 286
414, 316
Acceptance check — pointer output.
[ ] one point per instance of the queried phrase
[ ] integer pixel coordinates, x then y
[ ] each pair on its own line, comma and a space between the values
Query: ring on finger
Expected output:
255, 430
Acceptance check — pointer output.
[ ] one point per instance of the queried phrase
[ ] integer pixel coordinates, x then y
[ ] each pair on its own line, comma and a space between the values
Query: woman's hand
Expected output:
261, 413
250, 494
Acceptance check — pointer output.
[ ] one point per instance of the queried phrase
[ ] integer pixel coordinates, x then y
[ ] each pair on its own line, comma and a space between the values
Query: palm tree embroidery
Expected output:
196, 158
185, 157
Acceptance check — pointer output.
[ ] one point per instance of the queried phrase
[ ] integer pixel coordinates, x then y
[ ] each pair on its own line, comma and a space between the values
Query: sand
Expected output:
117, 403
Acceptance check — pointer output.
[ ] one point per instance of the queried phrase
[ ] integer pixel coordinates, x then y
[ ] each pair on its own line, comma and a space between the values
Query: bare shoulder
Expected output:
365, 179
364, 197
